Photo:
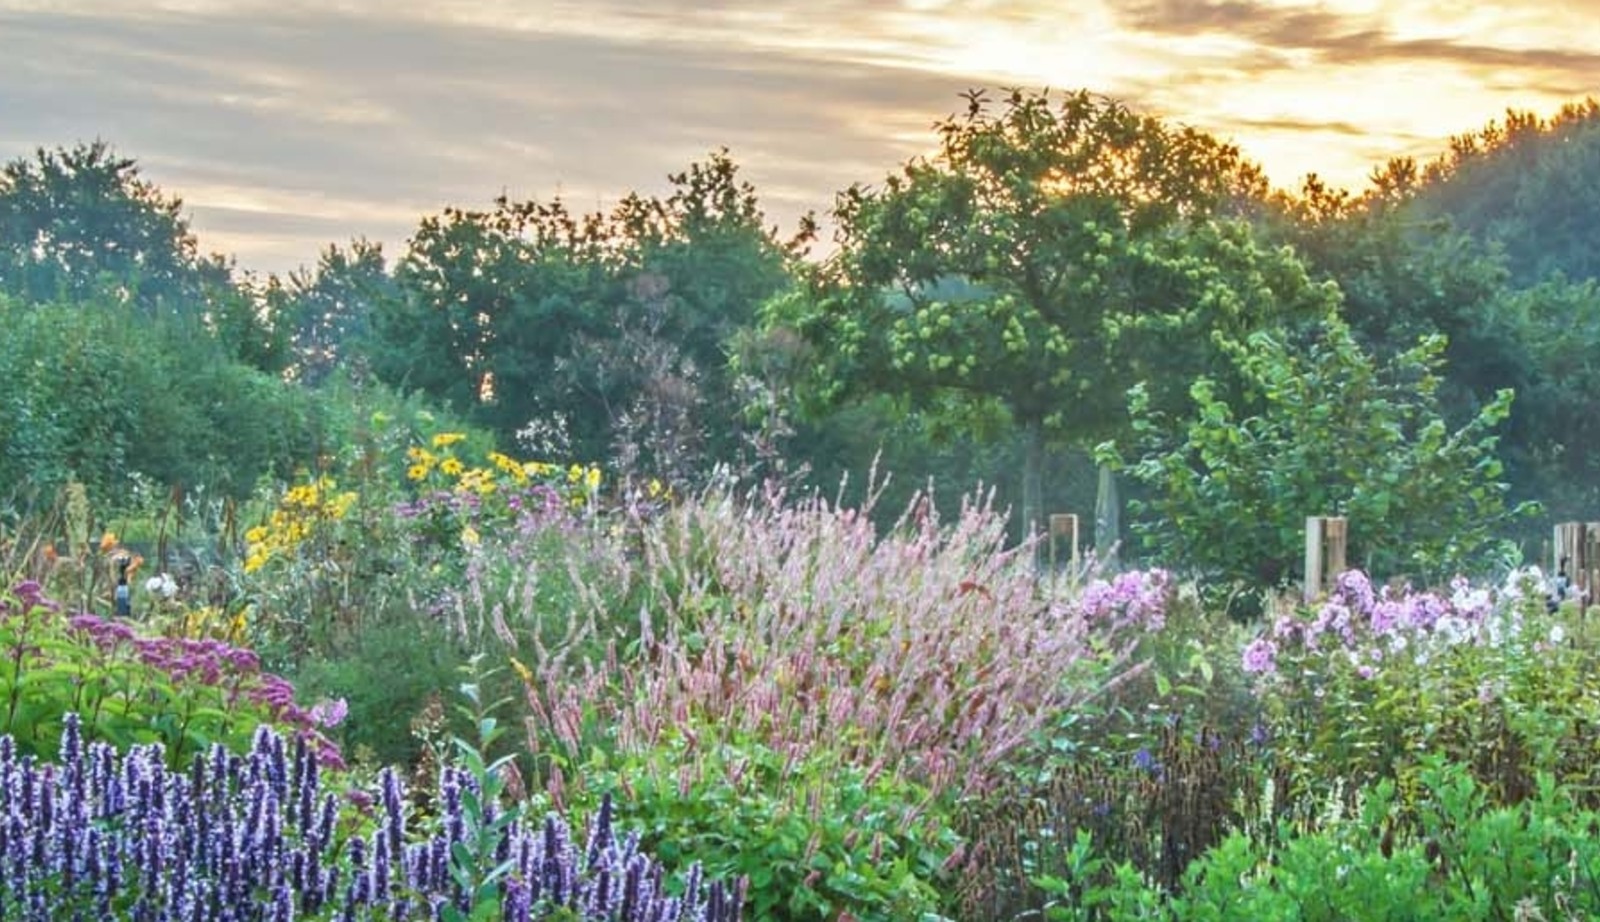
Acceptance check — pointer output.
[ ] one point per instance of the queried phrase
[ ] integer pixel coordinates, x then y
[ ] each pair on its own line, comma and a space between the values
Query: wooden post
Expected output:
1064, 525
1326, 543
1335, 533
1588, 577
1570, 551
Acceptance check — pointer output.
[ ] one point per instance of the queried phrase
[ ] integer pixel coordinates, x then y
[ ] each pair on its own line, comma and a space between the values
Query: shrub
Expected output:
1316, 428
816, 838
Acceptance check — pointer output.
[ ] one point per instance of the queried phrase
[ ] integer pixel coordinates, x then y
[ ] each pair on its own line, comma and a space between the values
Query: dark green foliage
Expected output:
1317, 428
387, 676
1550, 444
83, 224
328, 311
817, 838
609, 326
92, 395
1527, 184
1050, 254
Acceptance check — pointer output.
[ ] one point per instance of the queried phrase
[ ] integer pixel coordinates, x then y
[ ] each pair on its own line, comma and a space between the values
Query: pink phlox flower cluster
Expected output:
1137, 598
1261, 656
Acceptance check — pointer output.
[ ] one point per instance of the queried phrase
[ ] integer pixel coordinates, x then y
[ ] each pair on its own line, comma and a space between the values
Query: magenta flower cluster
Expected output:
234, 670
255, 837
1371, 626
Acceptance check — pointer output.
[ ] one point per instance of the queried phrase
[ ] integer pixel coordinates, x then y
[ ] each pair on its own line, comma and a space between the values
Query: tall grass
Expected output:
924, 650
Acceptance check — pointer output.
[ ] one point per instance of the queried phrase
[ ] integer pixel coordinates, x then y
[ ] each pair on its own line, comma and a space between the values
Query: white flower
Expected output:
162, 585
1557, 634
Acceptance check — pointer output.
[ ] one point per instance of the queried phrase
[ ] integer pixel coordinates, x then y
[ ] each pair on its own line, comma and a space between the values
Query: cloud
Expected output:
329, 118
1335, 38
290, 123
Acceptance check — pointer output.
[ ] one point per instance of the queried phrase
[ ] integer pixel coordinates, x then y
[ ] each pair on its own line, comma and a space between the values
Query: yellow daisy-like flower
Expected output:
575, 473
653, 488
451, 467
256, 535
539, 469
470, 537
417, 471
445, 439
591, 478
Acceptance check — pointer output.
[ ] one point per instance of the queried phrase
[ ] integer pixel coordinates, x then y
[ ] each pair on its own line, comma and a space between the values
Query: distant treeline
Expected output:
981, 317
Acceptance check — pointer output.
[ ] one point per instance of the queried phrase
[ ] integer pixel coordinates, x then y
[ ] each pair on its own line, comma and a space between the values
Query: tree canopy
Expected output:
82, 222
1045, 258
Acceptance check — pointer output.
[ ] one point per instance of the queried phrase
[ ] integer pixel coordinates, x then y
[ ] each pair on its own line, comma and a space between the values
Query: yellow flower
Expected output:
470, 537
538, 469
653, 488
575, 473
592, 478
256, 535
444, 439
417, 471
523, 672
340, 505
451, 467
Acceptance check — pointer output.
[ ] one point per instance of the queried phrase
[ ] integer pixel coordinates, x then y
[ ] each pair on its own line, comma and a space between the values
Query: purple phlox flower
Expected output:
1260, 657
1355, 589
1470, 603
1423, 611
1145, 761
330, 712
1333, 618
1387, 615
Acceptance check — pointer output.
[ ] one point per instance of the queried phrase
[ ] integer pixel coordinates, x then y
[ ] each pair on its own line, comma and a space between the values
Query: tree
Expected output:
1317, 428
1556, 327
1044, 259
614, 322
329, 309
1527, 184
82, 223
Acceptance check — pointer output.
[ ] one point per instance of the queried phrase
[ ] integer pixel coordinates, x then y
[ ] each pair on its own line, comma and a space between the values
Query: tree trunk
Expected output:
1032, 479
1107, 519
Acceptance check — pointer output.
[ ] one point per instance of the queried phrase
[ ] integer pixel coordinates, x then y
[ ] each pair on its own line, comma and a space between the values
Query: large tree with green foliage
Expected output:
327, 311
1313, 425
613, 322
1049, 255
1528, 184
82, 222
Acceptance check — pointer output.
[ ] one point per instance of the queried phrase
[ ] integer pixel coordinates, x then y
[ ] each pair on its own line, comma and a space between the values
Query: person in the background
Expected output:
124, 598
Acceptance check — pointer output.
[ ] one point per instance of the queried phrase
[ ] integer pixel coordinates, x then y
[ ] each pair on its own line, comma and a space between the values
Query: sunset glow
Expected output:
289, 125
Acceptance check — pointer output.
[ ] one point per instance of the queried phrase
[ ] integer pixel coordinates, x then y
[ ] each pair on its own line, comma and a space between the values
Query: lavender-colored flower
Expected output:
1261, 657
223, 841
330, 713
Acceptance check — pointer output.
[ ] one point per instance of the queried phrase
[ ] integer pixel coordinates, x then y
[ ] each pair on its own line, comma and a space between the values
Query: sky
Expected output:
286, 125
